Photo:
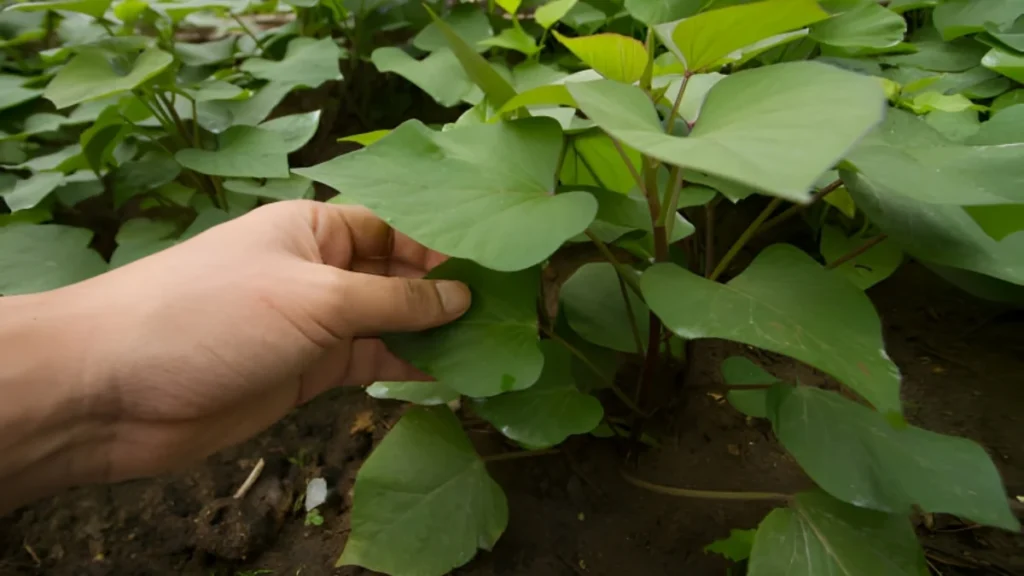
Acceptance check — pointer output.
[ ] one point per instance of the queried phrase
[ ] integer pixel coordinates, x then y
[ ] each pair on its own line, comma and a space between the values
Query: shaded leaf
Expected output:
90, 76
497, 89
493, 182
514, 38
592, 160
40, 258
956, 56
31, 191
292, 188
468, 22
787, 303
884, 468
955, 18
94, 8
697, 88
548, 412
594, 307
736, 547
868, 26
206, 53
422, 393
143, 175
440, 74
653, 12
307, 62
867, 269
1007, 127
741, 371
404, 495
614, 56
13, 92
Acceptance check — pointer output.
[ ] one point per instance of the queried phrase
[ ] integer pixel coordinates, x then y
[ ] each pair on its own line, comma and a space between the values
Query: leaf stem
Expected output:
586, 362
632, 317
520, 454
798, 208
671, 121
629, 164
871, 243
744, 238
705, 494
624, 271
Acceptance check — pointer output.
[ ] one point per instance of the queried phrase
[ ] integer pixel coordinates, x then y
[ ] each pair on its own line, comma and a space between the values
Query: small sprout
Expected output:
314, 518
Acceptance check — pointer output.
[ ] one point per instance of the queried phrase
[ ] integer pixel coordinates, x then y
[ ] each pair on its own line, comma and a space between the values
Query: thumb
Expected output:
368, 304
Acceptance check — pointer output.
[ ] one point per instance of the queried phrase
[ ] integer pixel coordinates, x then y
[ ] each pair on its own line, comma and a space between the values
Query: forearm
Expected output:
53, 414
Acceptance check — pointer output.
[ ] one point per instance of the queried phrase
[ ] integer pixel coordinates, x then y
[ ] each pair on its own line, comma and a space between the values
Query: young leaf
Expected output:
40, 258
90, 76
736, 547
702, 40
440, 74
820, 535
937, 233
548, 412
956, 18
31, 191
614, 56
549, 14
773, 142
307, 62
468, 22
479, 70
884, 468
292, 188
787, 303
493, 347
867, 269
741, 371
653, 12
868, 26
422, 393
492, 183
594, 307
94, 8
404, 495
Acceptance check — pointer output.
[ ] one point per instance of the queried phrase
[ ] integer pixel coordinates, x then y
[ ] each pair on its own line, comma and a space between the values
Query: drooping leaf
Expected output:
40, 258
549, 14
31, 191
868, 26
479, 70
998, 221
405, 493
653, 12
614, 56
787, 303
90, 76
291, 188
884, 468
937, 233
422, 393
821, 535
1006, 63
868, 268
493, 347
956, 18
440, 74
307, 62
702, 40
595, 309
773, 142
94, 8
736, 547
468, 22
493, 183
548, 412
741, 371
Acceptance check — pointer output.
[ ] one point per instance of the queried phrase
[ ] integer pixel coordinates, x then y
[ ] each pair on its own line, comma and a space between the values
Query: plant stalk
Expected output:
871, 243
586, 362
671, 122
625, 272
744, 238
798, 208
705, 494
248, 32
629, 164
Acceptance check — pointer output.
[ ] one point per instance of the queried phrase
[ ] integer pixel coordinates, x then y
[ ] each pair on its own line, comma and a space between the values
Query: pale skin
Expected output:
169, 359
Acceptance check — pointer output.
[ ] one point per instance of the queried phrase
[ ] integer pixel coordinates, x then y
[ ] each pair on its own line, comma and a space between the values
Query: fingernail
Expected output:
455, 296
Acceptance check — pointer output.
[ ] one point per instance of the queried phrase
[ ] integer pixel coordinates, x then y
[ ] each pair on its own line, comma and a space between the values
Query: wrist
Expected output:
56, 413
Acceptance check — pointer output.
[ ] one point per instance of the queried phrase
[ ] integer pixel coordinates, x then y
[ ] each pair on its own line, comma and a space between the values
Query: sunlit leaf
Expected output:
614, 56
493, 182
884, 468
736, 547
998, 221
514, 38
40, 258
497, 89
90, 76
404, 495
773, 142
787, 303
366, 138
592, 160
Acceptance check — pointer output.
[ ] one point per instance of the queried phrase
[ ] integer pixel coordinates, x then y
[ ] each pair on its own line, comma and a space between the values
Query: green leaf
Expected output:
292, 188
1007, 127
423, 393
548, 412
998, 221
614, 56
787, 303
468, 22
1012, 35
869, 26
702, 40
479, 70
440, 74
514, 38
13, 92
697, 88
366, 138
90, 76
206, 53
956, 56
40, 258
736, 547
955, 126
211, 89
773, 142
1006, 63
493, 183
914, 160
594, 307
142, 230
254, 151
653, 12
937, 233
307, 62
884, 468
626, 213
404, 495
493, 347
94, 8
956, 18
841, 200
31, 191
821, 535
217, 116
77, 187
549, 14
867, 269
741, 371
592, 160
143, 175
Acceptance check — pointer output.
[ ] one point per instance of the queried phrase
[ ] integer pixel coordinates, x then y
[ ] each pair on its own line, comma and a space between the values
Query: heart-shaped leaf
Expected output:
867, 26
90, 76
291, 188
254, 151
595, 309
478, 69
866, 269
884, 468
13, 92
40, 258
404, 495
491, 182
614, 56
307, 62
787, 303
31, 191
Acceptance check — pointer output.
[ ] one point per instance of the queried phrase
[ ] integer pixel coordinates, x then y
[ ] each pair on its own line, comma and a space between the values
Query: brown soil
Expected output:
571, 513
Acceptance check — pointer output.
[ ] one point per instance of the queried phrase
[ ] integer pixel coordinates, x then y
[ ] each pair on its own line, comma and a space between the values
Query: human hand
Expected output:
205, 344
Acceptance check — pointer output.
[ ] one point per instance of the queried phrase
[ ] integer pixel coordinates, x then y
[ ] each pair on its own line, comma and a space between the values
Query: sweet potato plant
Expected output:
627, 130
